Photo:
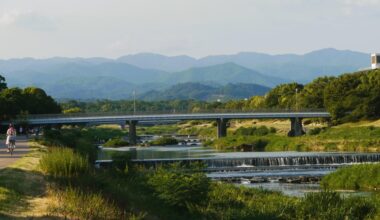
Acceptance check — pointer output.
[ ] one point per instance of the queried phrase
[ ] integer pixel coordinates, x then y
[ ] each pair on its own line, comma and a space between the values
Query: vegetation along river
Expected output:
293, 173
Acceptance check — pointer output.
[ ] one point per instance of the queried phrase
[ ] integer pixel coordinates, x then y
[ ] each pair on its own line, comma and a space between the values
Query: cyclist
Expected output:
11, 138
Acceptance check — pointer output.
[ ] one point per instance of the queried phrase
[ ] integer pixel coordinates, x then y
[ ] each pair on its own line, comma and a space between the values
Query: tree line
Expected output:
31, 100
348, 97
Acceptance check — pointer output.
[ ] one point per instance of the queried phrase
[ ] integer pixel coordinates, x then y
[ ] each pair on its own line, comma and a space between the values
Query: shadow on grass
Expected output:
16, 187
10, 217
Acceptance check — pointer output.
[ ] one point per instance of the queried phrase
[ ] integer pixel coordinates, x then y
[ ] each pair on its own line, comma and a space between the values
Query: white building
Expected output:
375, 61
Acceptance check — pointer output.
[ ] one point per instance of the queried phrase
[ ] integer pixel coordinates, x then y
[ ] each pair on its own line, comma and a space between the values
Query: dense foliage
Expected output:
30, 100
162, 141
173, 186
116, 142
363, 176
258, 131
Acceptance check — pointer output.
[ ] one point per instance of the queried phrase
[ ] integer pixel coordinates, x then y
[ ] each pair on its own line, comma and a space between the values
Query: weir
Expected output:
346, 158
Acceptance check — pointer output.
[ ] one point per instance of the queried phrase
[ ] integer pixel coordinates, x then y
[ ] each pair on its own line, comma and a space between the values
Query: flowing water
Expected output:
293, 173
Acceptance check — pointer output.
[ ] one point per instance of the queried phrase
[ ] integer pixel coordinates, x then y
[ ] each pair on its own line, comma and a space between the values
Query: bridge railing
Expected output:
172, 112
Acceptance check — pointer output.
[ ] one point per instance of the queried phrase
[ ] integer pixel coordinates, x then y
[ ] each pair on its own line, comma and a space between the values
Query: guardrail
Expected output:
173, 112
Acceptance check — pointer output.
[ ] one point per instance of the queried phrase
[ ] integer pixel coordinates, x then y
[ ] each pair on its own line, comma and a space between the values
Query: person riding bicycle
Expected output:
11, 137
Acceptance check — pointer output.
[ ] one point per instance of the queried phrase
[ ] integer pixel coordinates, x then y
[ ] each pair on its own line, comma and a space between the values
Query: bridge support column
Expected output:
221, 127
122, 126
296, 128
132, 132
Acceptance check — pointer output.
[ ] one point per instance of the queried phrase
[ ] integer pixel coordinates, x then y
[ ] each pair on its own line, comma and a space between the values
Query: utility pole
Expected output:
134, 102
296, 100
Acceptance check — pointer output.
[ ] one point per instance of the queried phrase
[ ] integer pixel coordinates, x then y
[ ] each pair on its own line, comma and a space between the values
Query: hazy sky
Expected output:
111, 28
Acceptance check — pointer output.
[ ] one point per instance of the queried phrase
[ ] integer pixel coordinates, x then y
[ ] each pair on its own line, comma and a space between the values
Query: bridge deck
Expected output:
62, 119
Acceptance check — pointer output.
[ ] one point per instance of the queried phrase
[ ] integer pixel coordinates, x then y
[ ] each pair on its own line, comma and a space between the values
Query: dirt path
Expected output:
21, 149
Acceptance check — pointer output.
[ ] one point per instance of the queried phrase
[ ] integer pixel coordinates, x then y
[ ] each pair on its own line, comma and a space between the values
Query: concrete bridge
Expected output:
133, 119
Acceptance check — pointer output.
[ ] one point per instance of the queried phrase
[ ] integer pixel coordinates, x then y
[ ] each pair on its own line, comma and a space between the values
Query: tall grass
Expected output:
363, 176
330, 205
63, 162
75, 204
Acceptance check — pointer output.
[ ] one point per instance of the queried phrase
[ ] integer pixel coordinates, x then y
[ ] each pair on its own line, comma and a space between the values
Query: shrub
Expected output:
315, 131
363, 176
330, 205
255, 145
272, 130
164, 141
116, 142
258, 131
179, 189
63, 162
321, 205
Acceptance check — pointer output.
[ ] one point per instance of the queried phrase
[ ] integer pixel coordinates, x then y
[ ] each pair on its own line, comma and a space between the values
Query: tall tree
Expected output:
3, 84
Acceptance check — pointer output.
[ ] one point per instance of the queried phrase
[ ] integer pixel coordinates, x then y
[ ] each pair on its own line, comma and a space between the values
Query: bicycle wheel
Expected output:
11, 148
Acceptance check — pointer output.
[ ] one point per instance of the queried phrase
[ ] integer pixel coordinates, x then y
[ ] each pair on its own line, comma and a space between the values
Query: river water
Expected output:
293, 173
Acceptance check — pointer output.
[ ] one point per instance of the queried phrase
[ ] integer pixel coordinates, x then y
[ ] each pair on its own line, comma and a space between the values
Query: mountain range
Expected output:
103, 78
203, 92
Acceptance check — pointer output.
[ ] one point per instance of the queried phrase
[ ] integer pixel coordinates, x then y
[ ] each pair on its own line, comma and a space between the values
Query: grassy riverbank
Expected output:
59, 181
359, 137
356, 177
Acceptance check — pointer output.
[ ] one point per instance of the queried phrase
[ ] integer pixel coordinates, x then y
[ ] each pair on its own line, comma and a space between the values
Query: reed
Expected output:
63, 162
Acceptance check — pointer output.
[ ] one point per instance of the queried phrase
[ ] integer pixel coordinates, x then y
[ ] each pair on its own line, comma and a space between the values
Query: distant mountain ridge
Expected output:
302, 68
91, 78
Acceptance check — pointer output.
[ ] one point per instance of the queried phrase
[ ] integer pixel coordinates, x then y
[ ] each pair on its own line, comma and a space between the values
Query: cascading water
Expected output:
328, 159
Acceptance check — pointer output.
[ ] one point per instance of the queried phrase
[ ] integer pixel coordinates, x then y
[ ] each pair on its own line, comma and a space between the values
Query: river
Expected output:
293, 173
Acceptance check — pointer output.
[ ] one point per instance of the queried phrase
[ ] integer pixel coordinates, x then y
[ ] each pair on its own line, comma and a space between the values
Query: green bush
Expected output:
363, 176
314, 131
63, 162
330, 205
258, 131
116, 142
179, 189
164, 141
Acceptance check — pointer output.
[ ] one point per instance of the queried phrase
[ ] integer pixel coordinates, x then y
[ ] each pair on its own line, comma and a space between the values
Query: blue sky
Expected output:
112, 28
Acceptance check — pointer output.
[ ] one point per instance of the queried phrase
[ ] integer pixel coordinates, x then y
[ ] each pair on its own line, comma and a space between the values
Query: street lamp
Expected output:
296, 99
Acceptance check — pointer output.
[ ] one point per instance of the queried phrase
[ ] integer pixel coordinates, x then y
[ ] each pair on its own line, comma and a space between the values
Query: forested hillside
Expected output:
203, 92
348, 97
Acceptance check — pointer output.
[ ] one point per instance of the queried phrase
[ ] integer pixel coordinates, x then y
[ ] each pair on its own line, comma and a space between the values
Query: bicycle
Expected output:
11, 146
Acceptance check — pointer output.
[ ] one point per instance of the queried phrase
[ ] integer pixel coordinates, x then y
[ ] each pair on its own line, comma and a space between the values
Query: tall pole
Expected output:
134, 102
296, 100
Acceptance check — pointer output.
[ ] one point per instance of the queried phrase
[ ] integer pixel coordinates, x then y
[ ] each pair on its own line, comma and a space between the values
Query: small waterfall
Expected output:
323, 159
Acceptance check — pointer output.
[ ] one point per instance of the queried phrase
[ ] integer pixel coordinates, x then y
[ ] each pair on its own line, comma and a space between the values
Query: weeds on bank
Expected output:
64, 162
363, 176
126, 191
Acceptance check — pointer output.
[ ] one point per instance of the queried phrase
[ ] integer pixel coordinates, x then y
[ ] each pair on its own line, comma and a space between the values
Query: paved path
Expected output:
21, 149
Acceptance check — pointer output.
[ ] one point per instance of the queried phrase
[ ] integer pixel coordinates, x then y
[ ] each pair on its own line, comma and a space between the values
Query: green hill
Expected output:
200, 91
224, 74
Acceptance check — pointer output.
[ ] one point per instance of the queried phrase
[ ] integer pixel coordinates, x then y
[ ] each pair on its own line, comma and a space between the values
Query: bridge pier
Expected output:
132, 132
296, 128
221, 127
122, 126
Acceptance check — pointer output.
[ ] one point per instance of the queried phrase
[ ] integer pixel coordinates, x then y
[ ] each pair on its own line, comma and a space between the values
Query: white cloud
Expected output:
9, 17
27, 19
362, 3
